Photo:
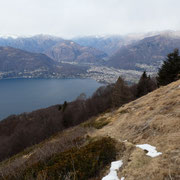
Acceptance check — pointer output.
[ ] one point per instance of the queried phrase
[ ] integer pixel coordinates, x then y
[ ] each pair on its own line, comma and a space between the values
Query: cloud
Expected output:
69, 18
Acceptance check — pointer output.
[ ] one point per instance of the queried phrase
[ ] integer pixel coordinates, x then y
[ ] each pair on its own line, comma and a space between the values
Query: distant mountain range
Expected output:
150, 51
56, 48
111, 43
105, 57
37, 44
108, 44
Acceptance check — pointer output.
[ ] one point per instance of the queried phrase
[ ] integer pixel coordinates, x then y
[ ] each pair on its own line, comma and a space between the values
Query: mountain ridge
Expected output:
148, 51
69, 51
20, 63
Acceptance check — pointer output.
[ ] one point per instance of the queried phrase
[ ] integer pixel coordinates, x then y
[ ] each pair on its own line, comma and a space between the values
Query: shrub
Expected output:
98, 124
76, 163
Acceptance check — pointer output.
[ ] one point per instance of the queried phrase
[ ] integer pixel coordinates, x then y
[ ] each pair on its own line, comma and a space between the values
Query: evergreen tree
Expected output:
64, 106
170, 69
121, 93
145, 85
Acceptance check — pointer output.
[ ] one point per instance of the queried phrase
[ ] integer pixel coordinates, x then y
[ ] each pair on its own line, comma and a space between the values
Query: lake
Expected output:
25, 95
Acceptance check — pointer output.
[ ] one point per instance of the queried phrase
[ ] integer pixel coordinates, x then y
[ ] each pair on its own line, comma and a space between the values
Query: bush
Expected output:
98, 124
77, 163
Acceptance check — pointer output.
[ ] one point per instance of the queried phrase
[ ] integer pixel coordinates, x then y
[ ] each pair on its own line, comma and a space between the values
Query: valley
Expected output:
101, 58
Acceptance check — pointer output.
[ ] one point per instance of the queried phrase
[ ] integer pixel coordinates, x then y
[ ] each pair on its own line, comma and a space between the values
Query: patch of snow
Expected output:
125, 141
113, 171
122, 178
179, 86
151, 150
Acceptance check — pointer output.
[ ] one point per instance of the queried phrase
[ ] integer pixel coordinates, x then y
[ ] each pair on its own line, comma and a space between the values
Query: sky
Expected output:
71, 18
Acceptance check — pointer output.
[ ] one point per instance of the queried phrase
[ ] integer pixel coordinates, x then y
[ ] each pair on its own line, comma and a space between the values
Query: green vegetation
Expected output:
122, 93
145, 85
77, 163
170, 70
96, 123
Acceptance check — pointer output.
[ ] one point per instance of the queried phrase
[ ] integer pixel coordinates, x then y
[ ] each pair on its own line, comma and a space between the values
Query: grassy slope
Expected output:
153, 119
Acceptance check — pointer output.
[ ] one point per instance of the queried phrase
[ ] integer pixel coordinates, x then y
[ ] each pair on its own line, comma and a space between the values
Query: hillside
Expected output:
69, 51
146, 54
17, 63
12, 59
152, 119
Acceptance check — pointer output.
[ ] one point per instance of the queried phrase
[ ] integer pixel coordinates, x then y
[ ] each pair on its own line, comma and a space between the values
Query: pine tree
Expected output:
145, 85
121, 93
170, 69
64, 106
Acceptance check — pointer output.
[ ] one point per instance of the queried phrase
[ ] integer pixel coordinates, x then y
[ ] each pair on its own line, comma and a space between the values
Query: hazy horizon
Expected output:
14, 36
73, 18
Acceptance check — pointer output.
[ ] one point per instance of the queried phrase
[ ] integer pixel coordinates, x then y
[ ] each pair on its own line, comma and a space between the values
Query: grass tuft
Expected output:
97, 123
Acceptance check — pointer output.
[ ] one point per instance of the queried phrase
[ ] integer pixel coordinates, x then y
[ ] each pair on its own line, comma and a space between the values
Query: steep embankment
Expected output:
153, 119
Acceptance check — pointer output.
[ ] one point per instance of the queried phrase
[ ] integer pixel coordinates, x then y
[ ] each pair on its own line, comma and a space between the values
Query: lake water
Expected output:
25, 95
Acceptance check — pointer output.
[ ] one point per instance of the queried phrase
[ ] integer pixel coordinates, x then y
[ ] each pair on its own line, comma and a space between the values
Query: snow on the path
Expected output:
151, 150
113, 171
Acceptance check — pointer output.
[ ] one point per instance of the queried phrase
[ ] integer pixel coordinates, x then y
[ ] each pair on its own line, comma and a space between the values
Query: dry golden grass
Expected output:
153, 119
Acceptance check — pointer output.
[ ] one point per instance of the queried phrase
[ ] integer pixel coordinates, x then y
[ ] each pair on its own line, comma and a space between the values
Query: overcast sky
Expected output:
68, 18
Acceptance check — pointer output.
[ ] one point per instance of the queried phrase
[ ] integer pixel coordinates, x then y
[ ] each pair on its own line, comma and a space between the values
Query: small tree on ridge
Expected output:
170, 69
